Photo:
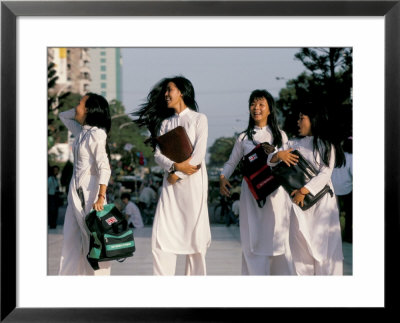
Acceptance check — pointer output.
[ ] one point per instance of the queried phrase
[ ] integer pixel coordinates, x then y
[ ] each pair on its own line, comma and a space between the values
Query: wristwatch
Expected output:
172, 169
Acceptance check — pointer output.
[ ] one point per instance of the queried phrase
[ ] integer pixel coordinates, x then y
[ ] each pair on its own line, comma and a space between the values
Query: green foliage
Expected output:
56, 103
220, 151
116, 107
327, 82
123, 131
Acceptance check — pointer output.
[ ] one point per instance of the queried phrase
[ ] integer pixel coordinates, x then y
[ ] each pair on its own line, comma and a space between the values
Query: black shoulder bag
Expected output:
296, 176
257, 173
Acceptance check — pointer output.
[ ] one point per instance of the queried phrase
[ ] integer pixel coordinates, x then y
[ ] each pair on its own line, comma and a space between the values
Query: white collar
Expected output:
87, 127
257, 128
183, 112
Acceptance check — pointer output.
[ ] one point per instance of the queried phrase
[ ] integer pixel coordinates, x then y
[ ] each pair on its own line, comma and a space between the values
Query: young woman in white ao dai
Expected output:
91, 173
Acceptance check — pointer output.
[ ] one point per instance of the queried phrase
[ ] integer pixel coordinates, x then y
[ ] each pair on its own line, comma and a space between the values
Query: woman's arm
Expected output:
234, 158
99, 204
229, 167
97, 145
163, 161
318, 182
282, 154
192, 165
68, 119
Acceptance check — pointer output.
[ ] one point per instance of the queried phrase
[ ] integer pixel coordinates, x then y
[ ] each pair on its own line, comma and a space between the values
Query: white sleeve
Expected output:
97, 145
350, 161
163, 161
234, 158
318, 182
284, 147
200, 144
68, 119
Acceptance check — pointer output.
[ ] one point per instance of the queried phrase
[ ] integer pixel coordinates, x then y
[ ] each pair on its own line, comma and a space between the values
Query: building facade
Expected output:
72, 68
106, 69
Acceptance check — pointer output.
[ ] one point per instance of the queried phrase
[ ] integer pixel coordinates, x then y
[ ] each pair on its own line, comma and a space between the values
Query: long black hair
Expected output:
324, 134
271, 121
98, 112
98, 115
154, 111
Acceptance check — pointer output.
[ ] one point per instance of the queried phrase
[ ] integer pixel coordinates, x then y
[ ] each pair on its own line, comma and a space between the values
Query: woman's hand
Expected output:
287, 157
223, 183
299, 195
268, 149
186, 168
172, 178
99, 204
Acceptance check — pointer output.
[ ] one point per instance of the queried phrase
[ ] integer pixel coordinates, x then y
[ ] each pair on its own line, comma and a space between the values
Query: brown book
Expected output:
175, 144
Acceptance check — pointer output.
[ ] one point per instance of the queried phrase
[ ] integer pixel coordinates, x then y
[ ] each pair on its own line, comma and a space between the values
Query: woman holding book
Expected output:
181, 224
263, 231
315, 238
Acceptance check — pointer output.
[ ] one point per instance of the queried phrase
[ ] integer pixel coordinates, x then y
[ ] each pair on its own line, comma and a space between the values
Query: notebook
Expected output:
175, 144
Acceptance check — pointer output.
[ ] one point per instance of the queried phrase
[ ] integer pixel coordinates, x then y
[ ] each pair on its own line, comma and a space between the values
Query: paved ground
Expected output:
223, 257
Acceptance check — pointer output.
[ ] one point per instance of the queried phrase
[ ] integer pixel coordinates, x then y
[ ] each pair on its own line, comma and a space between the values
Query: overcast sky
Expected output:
223, 79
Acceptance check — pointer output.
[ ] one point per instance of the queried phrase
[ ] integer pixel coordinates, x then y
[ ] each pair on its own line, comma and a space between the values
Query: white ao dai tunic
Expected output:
91, 168
263, 231
319, 225
181, 223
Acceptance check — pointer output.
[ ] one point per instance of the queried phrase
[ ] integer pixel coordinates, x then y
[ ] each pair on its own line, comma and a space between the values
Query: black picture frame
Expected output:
10, 10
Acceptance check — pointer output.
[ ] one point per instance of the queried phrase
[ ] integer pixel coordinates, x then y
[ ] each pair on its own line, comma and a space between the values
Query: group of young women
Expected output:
277, 239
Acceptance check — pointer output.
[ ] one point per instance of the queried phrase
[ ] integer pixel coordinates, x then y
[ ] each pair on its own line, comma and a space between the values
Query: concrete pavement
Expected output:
222, 258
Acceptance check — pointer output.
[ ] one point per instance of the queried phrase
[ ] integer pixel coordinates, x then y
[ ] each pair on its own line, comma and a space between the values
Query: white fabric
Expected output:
181, 224
342, 178
164, 263
318, 226
263, 231
147, 195
304, 263
236, 207
134, 216
91, 168
266, 265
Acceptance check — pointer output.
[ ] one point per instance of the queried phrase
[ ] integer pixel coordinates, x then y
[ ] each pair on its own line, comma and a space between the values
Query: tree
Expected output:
125, 131
57, 101
327, 82
220, 151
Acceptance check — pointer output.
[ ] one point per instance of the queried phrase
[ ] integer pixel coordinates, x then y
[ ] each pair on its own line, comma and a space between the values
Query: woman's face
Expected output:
304, 125
259, 111
81, 111
173, 96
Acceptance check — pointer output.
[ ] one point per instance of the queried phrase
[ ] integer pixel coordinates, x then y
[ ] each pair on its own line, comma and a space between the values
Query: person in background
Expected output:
66, 175
53, 196
342, 180
131, 212
147, 198
181, 223
89, 122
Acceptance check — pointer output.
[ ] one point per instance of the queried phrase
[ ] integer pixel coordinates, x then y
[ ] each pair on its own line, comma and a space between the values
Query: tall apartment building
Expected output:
106, 69
72, 69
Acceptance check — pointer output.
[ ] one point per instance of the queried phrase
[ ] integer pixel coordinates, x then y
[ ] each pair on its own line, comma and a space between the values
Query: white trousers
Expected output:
253, 264
304, 262
73, 254
164, 263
